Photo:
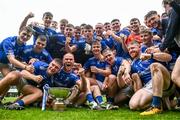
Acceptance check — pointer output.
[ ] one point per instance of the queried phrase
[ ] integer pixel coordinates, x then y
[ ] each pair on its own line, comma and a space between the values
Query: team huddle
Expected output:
136, 66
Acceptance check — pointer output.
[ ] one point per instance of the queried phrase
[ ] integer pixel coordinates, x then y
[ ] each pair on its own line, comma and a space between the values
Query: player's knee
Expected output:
154, 66
134, 76
39, 94
133, 105
14, 75
174, 77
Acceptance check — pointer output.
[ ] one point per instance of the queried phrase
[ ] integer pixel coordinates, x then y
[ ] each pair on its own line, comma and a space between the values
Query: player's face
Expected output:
146, 37
62, 27
107, 27
47, 20
77, 34
24, 36
109, 57
134, 50
69, 31
167, 8
116, 26
88, 33
96, 49
153, 20
99, 29
54, 25
53, 68
134, 25
40, 45
68, 62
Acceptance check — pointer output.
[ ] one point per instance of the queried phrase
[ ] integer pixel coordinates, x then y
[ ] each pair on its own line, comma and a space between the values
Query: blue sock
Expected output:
89, 97
20, 102
99, 99
110, 100
156, 101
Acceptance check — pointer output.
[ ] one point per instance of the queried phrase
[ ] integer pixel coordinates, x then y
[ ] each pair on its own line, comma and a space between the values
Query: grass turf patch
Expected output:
82, 114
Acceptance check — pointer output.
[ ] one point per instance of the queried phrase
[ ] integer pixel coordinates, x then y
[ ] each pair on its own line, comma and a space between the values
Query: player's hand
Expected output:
30, 15
68, 40
127, 79
94, 69
32, 60
145, 56
77, 65
38, 78
121, 70
81, 71
29, 68
109, 32
152, 50
98, 38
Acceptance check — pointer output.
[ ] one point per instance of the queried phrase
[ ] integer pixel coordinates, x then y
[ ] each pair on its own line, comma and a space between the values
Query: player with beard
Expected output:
150, 78
68, 78
119, 82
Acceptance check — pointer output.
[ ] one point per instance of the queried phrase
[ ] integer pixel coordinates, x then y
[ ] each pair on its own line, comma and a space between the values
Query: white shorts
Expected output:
100, 84
148, 87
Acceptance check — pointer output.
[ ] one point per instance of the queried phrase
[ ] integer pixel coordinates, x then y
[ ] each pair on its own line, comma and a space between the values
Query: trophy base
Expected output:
59, 106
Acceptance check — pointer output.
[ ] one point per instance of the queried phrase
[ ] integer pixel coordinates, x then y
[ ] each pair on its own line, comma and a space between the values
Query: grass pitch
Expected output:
83, 114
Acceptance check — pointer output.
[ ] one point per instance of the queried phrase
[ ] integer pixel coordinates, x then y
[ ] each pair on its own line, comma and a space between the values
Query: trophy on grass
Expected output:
59, 94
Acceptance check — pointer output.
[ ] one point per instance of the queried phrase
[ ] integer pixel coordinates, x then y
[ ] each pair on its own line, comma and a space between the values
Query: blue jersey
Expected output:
47, 32
40, 68
103, 43
99, 64
117, 63
154, 42
79, 53
65, 79
9, 46
118, 46
58, 41
29, 53
38, 30
142, 68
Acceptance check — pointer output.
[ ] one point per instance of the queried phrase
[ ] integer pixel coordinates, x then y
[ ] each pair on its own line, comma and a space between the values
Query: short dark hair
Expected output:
135, 19
26, 28
58, 61
114, 20
48, 14
77, 28
150, 13
42, 38
63, 21
107, 23
88, 27
70, 25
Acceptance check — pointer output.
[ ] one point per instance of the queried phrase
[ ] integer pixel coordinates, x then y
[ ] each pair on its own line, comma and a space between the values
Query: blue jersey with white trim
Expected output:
9, 46
40, 68
29, 53
65, 79
142, 68
117, 63
118, 46
99, 64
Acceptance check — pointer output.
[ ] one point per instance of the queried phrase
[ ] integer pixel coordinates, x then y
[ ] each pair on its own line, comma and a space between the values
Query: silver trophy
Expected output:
59, 94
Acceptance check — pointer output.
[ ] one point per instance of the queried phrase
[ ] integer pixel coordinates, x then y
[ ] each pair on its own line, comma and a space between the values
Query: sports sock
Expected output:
20, 102
156, 101
99, 99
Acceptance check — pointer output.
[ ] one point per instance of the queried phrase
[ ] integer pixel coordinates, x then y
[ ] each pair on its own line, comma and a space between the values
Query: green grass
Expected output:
83, 114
